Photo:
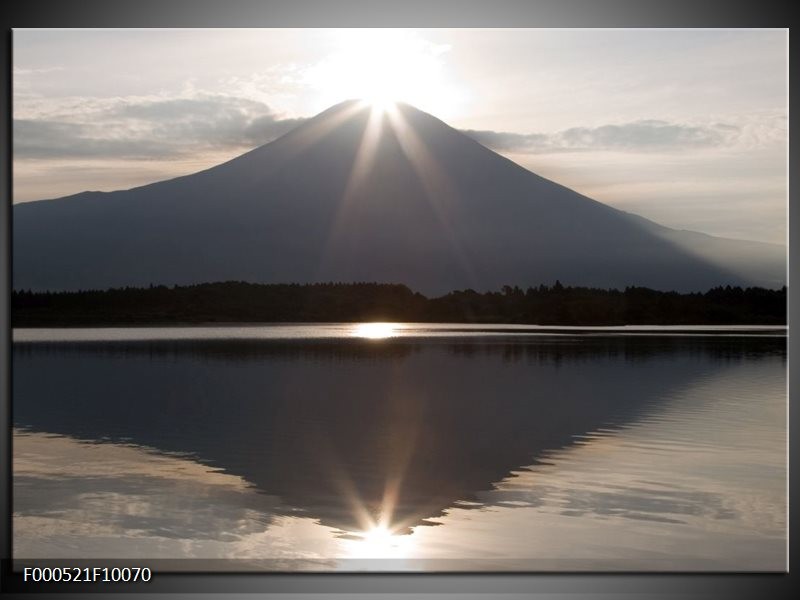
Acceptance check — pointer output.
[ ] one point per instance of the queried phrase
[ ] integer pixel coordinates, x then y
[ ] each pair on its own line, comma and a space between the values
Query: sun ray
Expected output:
343, 482
407, 424
366, 150
362, 165
314, 131
438, 187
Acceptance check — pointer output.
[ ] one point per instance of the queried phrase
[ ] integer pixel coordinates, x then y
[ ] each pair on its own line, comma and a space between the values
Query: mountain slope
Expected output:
351, 195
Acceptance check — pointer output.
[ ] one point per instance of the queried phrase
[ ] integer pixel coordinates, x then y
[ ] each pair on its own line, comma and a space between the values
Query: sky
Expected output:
685, 127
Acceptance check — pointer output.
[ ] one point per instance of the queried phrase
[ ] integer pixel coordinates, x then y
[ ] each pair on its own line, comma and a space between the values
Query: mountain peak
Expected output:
354, 194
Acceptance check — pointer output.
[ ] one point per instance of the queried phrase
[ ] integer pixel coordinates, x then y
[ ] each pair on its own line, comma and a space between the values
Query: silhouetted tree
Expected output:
237, 301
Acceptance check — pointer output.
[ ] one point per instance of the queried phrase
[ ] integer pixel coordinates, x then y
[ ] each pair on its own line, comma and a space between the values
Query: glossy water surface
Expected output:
412, 447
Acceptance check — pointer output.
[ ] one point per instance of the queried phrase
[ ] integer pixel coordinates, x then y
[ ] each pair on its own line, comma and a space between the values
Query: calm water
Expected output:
421, 447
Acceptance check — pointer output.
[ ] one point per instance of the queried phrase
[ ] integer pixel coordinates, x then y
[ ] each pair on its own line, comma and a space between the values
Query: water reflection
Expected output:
377, 542
679, 489
373, 444
76, 499
376, 331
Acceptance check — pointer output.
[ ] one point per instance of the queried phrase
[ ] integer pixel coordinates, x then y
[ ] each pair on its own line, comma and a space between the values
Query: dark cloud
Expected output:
637, 136
152, 129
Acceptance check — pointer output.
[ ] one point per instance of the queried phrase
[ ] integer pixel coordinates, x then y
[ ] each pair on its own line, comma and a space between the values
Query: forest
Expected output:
240, 302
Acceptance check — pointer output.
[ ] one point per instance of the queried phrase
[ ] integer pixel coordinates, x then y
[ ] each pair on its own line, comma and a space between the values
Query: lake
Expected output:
403, 447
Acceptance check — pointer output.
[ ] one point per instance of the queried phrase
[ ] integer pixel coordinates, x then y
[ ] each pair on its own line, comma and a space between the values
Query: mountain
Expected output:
357, 195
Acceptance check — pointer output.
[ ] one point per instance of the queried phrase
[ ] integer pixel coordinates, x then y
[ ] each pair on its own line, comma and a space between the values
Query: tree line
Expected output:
236, 301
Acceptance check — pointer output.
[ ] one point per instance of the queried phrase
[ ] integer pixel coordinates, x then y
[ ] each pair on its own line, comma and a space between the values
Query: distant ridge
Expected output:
350, 195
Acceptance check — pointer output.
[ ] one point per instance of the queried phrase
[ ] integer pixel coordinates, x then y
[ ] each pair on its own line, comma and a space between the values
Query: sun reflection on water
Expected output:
378, 542
376, 331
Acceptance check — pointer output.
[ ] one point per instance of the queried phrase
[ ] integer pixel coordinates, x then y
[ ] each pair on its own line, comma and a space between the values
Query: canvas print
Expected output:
400, 300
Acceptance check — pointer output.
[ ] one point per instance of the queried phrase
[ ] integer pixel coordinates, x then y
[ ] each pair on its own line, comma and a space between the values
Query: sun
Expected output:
383, 67
380, 103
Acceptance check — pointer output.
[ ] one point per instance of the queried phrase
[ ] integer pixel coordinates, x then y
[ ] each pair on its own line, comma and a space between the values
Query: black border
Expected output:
378, 13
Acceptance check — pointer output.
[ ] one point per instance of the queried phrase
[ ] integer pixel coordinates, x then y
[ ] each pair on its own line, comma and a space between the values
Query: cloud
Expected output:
511, 142
59, 139
636, 136
148, 128
163, 128
22, 72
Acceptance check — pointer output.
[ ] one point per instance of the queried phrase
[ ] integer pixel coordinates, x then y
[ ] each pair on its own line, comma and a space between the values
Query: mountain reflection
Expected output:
362, 435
